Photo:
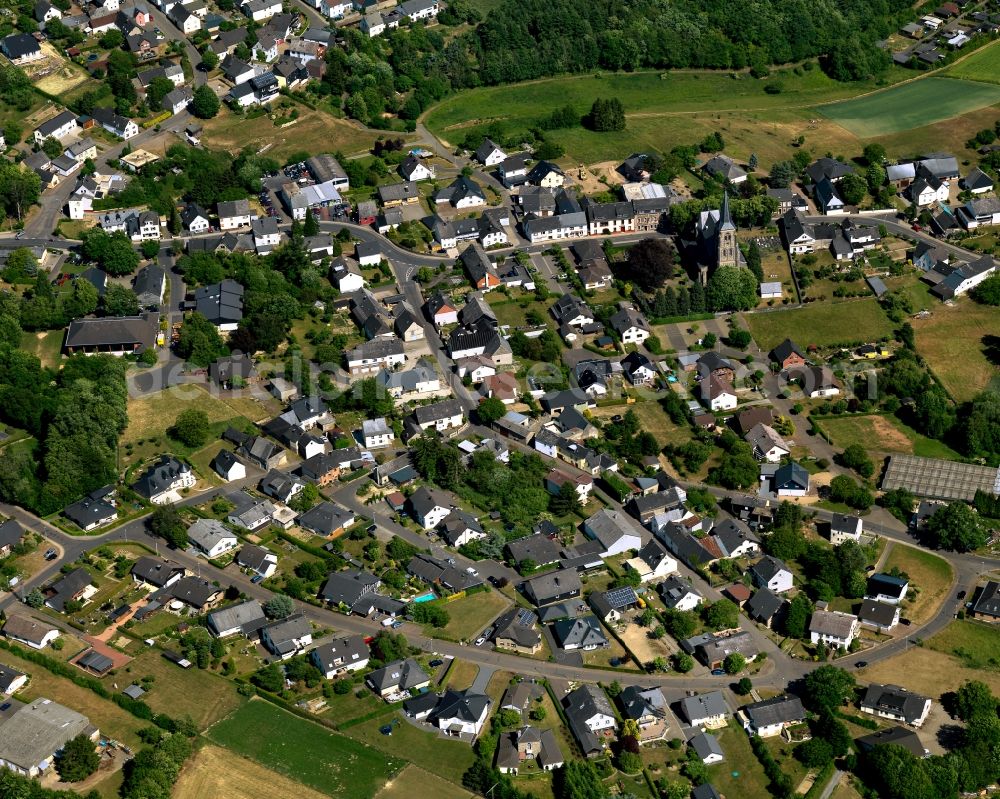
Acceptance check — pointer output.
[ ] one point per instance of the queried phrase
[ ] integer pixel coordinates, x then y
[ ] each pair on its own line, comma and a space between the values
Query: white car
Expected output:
481, 640
472, 571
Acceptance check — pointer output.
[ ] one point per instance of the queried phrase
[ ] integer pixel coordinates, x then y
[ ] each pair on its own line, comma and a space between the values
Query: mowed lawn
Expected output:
822, 324
470, 615
930, 575
911, 105
308, 753
983, 65
884, 433
215, 771
740, 760
951, 340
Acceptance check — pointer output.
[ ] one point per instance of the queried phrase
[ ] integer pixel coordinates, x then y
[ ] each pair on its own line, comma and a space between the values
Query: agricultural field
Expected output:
930, 575
982, 65
215, 771
884, 434
413, 781
325, 761
825, 325
951, 340
911, 105
199, 694
470, 615
314, 132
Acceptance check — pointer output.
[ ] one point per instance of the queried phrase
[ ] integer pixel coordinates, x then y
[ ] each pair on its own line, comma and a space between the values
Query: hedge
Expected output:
780, 784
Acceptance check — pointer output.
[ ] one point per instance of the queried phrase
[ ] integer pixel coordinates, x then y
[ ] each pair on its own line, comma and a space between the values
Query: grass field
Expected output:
198, 693
884, 434
315, 132
46, 346
930, 574
912, 105
447, 759
928, 672
976, 645
663, 110
740, 759
951, 339
215, 771
825, 325
306, 752
471, 615
102, 713
413, 781
983, 65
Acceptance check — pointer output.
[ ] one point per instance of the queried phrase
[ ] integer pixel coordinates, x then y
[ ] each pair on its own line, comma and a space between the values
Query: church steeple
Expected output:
727, 252
726, 222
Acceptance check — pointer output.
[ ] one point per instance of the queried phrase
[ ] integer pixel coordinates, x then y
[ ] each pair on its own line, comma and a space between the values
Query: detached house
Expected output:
706, 710
895, 703
340, 656
772, 716
845, 528
591, 718
287, 637
430, 507
161, 482
772, 574
833, 628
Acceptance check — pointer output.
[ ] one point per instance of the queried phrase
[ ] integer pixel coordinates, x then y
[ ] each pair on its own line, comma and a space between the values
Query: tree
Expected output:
200, 342
150, 248
21, 264
191, 427
508, 718
205, 104
157, 89
270, 678
649, 263
797, 616
566, 501
35, 599
279, 606
12, 132
852, 189
310, 226
490, 410
856, 457
428, 613
629, 762
722, 615
734, 663
987, 292
118, 300
814, 753
731, 289
955, 526
899, 502
209, 60
782, 174
744, 686
166, 523
974, 698
19, 189
683, 662
606, 115
874, 154
828, 688
578, 779
537, 713
78, 759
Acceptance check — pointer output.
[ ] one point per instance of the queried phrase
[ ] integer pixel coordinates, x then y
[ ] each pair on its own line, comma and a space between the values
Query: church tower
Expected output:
728, 252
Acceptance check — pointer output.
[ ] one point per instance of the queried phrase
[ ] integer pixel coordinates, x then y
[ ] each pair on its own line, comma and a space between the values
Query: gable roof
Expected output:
779, 710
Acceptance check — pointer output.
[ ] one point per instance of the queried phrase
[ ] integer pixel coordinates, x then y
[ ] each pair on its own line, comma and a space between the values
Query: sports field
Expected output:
825, 325
330, 763
983, 65
911, 105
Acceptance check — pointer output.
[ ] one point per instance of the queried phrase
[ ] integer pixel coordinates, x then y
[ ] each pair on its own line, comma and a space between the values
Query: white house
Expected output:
771, 573
430, 507
228, 466
631, 326
718, 393
60, 127
678, 594
258, 560
772, 716
614, 531
347, 281
462, 713
833, 628
706, 710
489, 153
340, 656
234, 214
377, 433
212, 537
652, 563
266, 235
32, 632
895, 703
767, 445
845, 528
928, 190
260, 10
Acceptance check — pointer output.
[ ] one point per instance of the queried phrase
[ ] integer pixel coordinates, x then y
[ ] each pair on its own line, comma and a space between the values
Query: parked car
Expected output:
861, 664
962, 594
435, 663
51, 554
472, 571
257, 578
481, 640
718, 672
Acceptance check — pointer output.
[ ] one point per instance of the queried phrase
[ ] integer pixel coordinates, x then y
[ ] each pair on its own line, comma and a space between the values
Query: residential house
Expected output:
249, 512
440, 572
551, 587
652, 562
845, 528
372, 356
514, 630
462, 193
707, 748
11, 534
610, 605
583, 484
898, 736
583, 634
212, 537
833, 628
538, 549
963, 278
489, 153
445, 415
75, 586
880, 616
717, 393
765, 607
460, 528
327, 519
93, 511
260, 561
724, 167
528, 744
788, 355
986, 604
30, 632
228, 466
122, 127
591, 718
630, 325
791, 480
245, 618
886, 588
638, 369
895, 703
11, 680
772, 574
21, 48
32, 734
413, 169
706, 711
346, 588
155, 573
340, 656
712, 649
398, 677
647, 707
234, 214
60, 127
162, 481
287, 637
376, 433
614, 531
767, 444
547, 175
677, 594
430, 507
772, 716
